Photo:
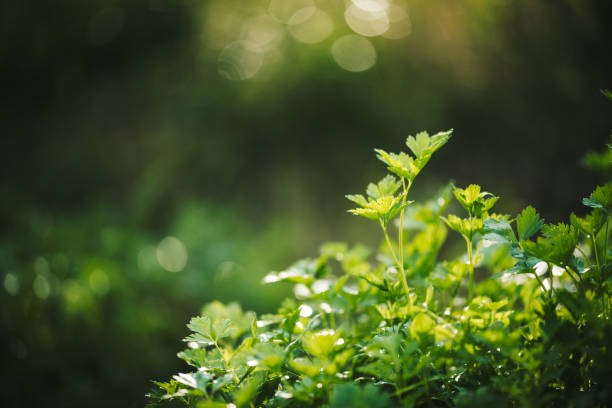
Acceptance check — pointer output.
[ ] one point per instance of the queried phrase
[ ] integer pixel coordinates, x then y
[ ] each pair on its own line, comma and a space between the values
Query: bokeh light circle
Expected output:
171, 254
11, 284
240, 60
263, 33
354, 53
369, 23
371, 5
283, 10
310, 25
400, 24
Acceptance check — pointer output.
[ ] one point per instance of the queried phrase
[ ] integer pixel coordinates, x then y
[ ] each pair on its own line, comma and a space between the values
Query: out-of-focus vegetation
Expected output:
158, 154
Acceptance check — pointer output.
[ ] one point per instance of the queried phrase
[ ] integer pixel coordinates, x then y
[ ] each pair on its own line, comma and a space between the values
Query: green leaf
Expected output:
351, 395
423, 146
498, 230
456, 224
418, 144
464, 226
385, 187
208, 331
197, 380
358, 199
211, 404
304, 271
592, 203
591, 224
557, 245
384, 209
306, 366
400, 164
320, 343
476, 202
194, 357
249, 389
421, 323
468, 196
269, 355
528, 222
600, 198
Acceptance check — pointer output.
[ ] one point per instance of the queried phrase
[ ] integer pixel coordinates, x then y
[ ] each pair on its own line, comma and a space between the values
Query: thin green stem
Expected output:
596, 254
542, 286
384, 228
540, 282
605, 246
399, 265
405, 190
471, 260
571, 275
478, 249
401, 225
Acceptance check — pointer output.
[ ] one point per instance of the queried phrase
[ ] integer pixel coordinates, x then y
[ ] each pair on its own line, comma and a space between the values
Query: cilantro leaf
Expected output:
528, 223
209, 331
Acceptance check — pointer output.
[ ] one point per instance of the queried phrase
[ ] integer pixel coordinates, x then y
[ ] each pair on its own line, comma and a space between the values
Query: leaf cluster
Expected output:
521, 318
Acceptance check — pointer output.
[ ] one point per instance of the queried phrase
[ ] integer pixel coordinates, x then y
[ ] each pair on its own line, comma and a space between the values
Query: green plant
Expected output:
522, 318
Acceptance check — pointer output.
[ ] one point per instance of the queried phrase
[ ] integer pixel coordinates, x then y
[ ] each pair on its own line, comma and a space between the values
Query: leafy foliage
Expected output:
408, 329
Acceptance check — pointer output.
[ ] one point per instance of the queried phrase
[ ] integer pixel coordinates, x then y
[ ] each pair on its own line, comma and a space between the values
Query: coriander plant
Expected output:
521, 318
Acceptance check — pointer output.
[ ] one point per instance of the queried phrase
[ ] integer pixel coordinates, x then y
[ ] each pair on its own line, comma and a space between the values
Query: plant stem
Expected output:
596, 255
471, 260
389, 244
571, 275
405, 190
605, 247
540, 282
401, 226
399, 265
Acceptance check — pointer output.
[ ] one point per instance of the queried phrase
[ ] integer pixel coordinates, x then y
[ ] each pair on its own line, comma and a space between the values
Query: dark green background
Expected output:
109, 146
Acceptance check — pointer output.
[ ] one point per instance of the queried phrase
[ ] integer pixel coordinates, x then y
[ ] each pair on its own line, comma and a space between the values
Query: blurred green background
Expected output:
160, 154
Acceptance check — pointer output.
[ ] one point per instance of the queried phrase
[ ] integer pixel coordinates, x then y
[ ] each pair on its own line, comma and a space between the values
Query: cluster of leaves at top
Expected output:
521, 318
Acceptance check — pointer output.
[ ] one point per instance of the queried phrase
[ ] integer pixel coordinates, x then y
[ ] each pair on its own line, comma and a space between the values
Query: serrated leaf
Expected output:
600, 198
591, 224
476, 202
528, 222
194, 357
385, 187
556, 246
358, 199
209, 331
418, 144
467, 196
400, 164
463, 226
423, 146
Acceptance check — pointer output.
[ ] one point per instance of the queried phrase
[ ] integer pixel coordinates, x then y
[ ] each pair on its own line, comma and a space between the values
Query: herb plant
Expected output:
521, 318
